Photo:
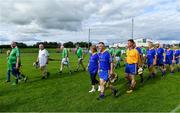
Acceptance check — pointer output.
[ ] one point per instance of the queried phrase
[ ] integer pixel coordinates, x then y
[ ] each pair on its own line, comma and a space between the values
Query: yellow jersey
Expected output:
132, 56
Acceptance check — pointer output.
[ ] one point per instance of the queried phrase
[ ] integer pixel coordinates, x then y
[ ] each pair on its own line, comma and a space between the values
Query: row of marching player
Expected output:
102, 62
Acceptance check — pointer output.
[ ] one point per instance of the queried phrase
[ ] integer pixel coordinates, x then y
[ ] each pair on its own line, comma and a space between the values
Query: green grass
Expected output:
70, 92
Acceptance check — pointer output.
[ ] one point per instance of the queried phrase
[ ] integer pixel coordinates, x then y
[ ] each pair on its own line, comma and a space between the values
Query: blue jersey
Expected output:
177, 54
139, 50
93, 63
160, 54
105, 60
151, 53
169, 54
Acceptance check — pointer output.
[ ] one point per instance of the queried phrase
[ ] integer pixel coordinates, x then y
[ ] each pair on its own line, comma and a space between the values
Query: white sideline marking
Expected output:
177, 108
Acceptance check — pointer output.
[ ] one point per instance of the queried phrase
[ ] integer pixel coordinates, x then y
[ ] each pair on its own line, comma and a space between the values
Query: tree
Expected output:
69, 45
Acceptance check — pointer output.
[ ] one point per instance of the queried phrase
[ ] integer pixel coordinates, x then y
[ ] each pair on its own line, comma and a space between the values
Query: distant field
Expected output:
64, 92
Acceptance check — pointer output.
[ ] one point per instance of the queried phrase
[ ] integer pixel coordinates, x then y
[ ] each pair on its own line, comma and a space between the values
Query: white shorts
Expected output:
118, 58
65, 61
80, 60
42, 62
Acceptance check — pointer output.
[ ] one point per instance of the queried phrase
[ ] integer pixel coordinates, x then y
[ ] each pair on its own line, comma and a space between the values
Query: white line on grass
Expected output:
177, 108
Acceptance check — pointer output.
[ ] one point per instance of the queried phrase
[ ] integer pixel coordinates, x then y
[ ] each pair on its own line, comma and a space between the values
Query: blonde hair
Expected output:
94, 48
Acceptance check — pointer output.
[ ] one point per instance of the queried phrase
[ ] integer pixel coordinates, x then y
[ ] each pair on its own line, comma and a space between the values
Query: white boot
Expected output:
92, 90
99, 88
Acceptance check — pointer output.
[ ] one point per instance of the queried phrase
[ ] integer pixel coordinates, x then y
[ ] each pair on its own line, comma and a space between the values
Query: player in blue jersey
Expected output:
105, 69
93, 67
160, 58
151, 60
140, 63
176, 58
169, 59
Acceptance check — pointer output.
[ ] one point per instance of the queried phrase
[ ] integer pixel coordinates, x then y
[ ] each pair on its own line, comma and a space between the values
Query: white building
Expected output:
142, 42
139, 42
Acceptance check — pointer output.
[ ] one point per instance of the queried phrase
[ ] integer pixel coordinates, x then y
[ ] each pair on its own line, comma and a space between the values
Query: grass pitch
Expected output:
69, 93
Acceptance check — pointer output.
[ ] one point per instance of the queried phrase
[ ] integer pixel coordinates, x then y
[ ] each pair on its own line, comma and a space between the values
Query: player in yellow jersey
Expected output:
132, 57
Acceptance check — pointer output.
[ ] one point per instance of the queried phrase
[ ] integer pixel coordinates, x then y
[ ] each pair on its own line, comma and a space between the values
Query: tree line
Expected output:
50, 45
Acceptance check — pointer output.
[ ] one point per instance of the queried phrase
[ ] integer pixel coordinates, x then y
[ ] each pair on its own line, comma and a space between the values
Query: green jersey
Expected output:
79, 52
111, 51
144, 51
118, 52
13, 55
65, 53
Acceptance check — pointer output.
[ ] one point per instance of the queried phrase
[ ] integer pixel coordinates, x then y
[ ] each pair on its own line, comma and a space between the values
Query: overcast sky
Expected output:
69, 20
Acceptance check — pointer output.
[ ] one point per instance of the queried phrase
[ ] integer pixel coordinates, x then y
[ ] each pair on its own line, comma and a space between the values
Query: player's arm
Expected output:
164, 57
98, 67
83, 54
174, 57
17, 62
37, 60
155, 58
17, 59
137, 56
47, 57
111, 65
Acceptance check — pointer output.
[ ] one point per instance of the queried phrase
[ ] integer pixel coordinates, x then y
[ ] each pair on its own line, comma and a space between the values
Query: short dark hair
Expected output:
101, 43
131, 40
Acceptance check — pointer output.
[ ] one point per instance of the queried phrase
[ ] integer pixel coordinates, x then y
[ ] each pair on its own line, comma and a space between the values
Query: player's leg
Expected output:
118, 62
14, 73
151, 72
127, 71
79, 62
61, 67
172, 68
82, 64
43, 72
142, 78
162, 69
132, 73
21, 75
111, 81
102, 87
8, 75
93, 82
69, 68
103, 79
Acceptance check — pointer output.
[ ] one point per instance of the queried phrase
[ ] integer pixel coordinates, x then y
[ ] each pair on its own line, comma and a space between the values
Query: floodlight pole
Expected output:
132, 28
89, 37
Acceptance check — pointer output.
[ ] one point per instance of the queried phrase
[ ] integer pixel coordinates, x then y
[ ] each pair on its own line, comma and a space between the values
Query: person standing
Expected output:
132, 57
169, 59
140, 63
160, 58
151, 57
177, 57
80, 54
9, 68
42, 60
105, 69
93, 68
65, 59
15, 63
118, 57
